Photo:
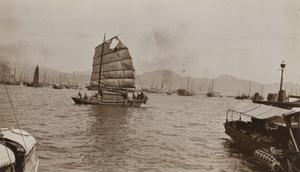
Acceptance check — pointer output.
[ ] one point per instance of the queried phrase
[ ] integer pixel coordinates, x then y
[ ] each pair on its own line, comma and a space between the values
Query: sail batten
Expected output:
111, 62
99, 56
117, 69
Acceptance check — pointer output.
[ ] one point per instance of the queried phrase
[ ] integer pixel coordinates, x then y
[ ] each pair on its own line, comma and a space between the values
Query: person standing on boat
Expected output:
85, 96
100, 92
79, 94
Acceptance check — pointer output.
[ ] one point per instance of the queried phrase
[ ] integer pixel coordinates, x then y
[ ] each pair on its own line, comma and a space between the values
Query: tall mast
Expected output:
249, 88
101, 63
282, 65
15, 71
188, 84
193, 85
20, 79
73, 77
212, 85
45, 77
281, 93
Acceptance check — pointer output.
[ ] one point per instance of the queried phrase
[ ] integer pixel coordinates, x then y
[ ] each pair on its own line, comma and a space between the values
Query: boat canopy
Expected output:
17, 136
7, 156
270, 113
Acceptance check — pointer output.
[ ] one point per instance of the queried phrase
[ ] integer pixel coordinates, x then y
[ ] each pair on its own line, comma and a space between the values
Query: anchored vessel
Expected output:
113, 76
281, 100
271, 134
183, 92
212, 93
35, 82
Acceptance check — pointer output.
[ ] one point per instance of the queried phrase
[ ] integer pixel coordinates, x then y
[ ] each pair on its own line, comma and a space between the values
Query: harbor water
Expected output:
169, 133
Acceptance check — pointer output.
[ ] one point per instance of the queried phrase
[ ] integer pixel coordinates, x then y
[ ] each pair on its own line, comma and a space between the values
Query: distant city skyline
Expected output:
205, 38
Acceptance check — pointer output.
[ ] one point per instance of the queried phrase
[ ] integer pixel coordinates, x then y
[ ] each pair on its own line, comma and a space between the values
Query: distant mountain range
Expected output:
26, 72
224, 84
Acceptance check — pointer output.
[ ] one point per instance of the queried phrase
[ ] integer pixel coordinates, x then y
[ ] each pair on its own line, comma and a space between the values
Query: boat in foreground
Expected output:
17, 151
113, 75
271, 134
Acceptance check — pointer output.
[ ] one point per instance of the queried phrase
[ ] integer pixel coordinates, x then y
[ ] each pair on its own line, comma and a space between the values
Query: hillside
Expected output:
225, 84
25, 72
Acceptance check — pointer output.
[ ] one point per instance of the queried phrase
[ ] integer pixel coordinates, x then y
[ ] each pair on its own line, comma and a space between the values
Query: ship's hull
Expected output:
12, 83
57, 87
98, 101
252, 145
242, 140
286, 105
183, 92
210, 95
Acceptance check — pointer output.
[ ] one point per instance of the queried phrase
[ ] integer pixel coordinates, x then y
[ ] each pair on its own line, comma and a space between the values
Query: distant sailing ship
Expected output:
73, 85
58, 85
13, 81
183, 92
35, 82
211, 93
244, 96
113, 75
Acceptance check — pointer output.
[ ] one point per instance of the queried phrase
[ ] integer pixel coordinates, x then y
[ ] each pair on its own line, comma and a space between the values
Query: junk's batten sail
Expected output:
117, 68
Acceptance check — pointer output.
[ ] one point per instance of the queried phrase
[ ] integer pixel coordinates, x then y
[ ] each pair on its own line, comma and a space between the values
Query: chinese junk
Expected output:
270, 133
113, 75
35, 82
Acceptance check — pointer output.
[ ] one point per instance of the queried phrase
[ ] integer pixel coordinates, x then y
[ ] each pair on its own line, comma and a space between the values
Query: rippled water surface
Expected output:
169, 133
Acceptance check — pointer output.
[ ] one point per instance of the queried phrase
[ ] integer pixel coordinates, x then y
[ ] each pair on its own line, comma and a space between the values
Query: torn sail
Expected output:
113, 63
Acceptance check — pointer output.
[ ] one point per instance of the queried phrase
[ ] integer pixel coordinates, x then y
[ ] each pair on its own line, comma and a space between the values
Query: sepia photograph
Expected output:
149, 86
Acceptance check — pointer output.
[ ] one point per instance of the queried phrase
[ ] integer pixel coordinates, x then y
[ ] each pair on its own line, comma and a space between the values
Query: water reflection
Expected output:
170, 133
246, 159
109, 137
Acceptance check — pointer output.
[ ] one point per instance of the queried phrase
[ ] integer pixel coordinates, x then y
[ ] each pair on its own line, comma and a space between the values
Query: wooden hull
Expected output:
57, 87
210, 95
286, 105
243, 140
251, 145
183, 92
94, 88
98, 101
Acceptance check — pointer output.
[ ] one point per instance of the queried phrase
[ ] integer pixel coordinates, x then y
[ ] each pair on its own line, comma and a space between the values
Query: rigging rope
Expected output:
295, 86
17, 122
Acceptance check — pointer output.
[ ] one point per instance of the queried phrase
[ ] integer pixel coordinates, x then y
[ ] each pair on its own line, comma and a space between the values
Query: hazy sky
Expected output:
206, 38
